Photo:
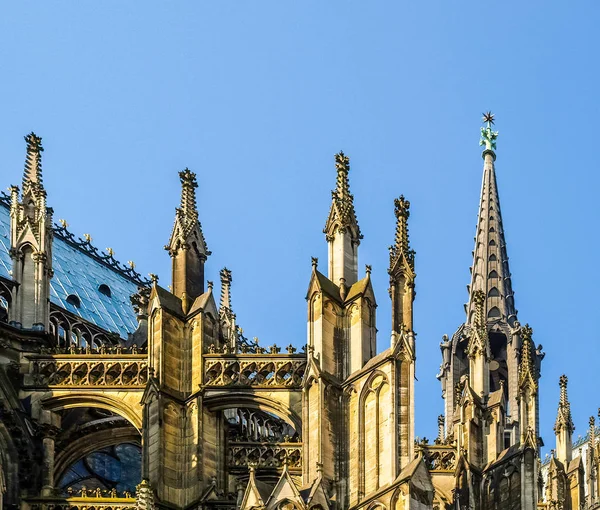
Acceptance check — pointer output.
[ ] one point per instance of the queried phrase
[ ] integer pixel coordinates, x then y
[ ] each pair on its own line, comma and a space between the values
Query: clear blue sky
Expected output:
256, 97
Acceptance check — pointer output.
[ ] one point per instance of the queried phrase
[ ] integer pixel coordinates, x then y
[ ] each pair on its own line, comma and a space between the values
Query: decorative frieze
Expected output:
241, 455
81, 371
254, 370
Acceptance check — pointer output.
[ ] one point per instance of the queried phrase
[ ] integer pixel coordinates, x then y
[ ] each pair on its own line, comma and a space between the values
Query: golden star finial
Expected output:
488, 118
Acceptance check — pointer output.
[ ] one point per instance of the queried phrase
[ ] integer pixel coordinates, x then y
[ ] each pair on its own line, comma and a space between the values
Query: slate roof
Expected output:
79, 272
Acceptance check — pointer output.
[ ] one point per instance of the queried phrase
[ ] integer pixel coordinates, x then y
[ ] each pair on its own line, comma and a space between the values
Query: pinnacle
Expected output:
401, 245
563, 418
33, 160
342, 214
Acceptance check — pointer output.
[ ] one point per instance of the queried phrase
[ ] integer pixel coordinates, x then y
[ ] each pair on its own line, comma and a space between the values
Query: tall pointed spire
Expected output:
33, 161
490, 271
187, 245
341, 230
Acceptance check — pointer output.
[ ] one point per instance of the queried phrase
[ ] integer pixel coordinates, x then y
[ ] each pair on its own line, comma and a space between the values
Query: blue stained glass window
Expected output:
116, 467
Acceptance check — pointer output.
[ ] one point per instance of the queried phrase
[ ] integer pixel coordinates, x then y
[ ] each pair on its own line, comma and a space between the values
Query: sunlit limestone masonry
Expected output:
117, 392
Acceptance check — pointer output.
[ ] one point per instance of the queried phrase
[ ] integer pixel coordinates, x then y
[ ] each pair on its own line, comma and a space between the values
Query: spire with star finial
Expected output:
187, 245
490, 272
488, 136
341, 230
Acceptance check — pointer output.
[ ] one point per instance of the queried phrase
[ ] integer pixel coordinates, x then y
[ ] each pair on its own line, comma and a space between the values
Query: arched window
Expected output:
376, 434
105, 289
494, 313
74, 300
494, 292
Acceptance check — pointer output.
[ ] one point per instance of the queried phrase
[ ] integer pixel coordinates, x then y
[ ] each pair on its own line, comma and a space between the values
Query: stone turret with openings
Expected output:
187, 246
31, 244
341, 230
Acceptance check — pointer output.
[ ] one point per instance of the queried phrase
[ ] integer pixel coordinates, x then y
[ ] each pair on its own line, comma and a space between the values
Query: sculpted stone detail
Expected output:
264, 455
89, 371
270, 371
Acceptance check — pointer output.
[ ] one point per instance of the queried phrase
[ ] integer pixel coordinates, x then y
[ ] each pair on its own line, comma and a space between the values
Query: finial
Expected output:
564, 419
63, 223
188, 195
314, 262
153, 278
479, 300
401, 247
342, 215
88, 238
210, 285
226, 280
131, 264
368, 269
527, 370
110, 252
488, 137
33, 161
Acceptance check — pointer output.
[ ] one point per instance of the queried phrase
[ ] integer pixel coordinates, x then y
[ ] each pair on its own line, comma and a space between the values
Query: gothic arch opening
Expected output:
98, 454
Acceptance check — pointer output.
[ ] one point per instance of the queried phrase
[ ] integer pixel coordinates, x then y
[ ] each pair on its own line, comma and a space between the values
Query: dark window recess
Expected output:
72, 299
105, 289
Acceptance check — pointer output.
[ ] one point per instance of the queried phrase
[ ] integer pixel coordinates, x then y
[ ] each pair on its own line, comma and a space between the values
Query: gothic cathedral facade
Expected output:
119, 393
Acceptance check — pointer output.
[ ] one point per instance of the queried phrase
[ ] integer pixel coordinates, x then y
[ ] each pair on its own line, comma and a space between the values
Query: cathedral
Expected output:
119, 392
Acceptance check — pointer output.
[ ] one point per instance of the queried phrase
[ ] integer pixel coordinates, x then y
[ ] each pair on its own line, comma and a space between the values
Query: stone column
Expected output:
48, 433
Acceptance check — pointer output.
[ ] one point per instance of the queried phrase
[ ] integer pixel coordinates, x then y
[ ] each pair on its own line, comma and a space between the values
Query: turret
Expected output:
342, 231
31, 244
563, 428
187, 246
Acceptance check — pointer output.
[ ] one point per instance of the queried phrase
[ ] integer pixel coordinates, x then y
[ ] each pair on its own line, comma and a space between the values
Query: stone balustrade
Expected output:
87, 370
254, 370
242, 455
439, 458
82, 503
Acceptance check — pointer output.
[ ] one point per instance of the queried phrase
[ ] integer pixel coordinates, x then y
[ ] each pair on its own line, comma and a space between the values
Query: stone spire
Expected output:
563, 428
226, 280
341, 230
402, 270
33, 161
490, 273
527, 368
187, 245
226, 315
31, 244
